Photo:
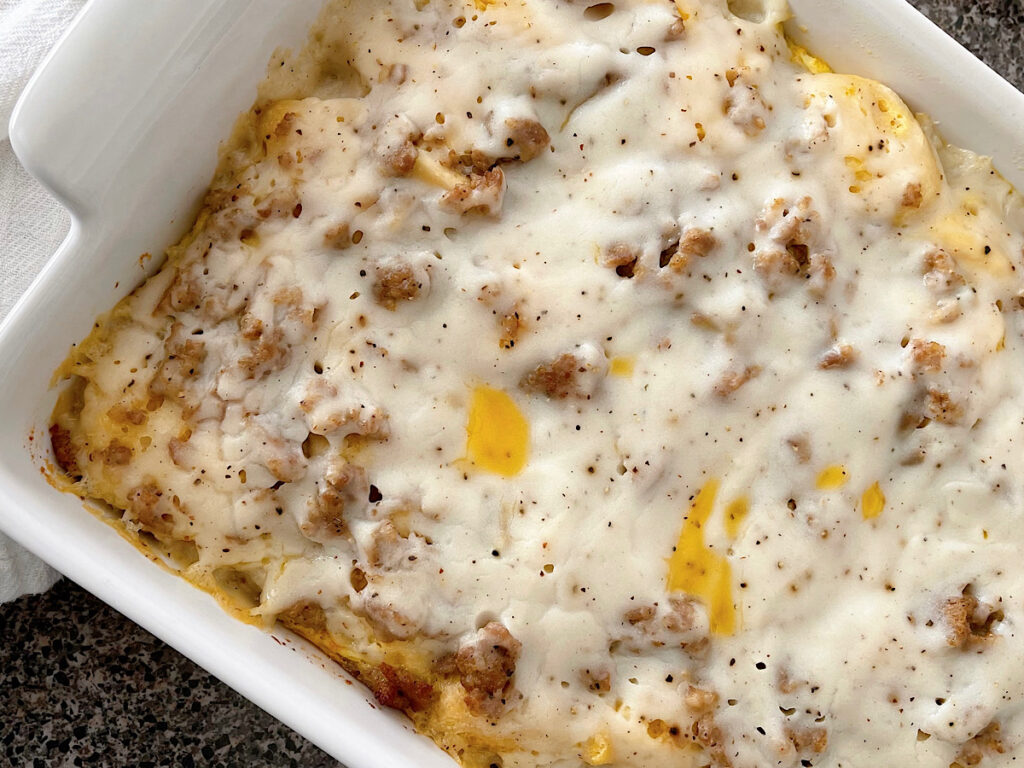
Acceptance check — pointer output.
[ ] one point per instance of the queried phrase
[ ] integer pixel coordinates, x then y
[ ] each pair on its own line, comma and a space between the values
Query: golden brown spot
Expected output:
733, 380
942, 408
184, 292
808, 739
480, 193
697, 242
526, 138
770, 263
285, 125
557, 379
838, 356
266, 355
785, 683
181, 364
395, 283
912, 197
64, 451
150, 511
116, 454
338, 236
699, 700
400, 689
596, 680
986, 742
340, 487
179, 452
357, 578
967, 620
623, 258
708, 735
598, 749
399, 160
279, 207
940, 272
801, 448
927, 355
511, 324
122, 414
486, 666
250, 327
639, 615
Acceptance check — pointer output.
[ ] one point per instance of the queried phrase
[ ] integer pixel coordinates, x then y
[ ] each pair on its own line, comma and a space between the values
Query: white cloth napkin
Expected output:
32, 224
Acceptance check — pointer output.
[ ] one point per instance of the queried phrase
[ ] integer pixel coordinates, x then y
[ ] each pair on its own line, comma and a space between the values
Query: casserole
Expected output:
83, 211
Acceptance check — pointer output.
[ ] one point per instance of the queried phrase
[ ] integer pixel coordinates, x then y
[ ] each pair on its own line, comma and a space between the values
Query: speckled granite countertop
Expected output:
82, 685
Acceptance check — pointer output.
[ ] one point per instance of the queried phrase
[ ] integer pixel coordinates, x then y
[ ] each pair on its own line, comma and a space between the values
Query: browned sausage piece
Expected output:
63, 449
486, 665
526, 138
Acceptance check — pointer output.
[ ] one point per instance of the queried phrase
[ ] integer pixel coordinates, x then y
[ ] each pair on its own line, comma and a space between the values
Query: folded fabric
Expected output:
22, 573
32, 224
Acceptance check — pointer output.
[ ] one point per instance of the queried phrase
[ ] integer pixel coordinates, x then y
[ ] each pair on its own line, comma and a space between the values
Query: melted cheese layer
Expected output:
641, 396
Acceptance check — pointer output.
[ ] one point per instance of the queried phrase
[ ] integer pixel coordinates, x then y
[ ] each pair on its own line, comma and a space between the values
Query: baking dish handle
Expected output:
91, 106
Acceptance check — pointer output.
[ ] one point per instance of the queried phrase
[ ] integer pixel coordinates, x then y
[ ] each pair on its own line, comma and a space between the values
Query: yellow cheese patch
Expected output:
735, 514
872, 502
621, 366
598, 750
430, 171
832, 477
696, 569
497, 433
959, 233
806, 59
879, 141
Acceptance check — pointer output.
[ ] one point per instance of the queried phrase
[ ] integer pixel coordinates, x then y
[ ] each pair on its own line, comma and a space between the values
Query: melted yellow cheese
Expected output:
497, 433
698, 570
735, 514
832, 477
808, 60
621, 366
872, 502
598, 750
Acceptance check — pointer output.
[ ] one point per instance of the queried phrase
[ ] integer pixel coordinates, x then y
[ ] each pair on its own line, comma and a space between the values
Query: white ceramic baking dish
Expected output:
122, 124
